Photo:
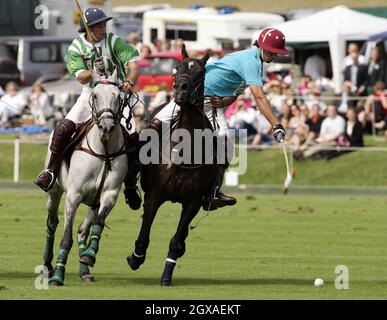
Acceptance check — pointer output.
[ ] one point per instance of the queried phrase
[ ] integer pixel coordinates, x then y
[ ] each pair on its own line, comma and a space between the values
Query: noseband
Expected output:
97, 115
194, 97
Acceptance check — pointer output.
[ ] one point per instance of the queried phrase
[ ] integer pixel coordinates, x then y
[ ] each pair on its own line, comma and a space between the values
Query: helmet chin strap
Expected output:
93, 38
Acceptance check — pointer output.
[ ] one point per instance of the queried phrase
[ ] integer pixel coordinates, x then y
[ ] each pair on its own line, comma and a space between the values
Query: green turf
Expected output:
266, 247
263, 168
352, 169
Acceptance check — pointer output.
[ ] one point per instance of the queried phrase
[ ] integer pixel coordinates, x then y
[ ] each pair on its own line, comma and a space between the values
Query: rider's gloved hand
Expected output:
279, 132
128, 86
217, 102
99, 65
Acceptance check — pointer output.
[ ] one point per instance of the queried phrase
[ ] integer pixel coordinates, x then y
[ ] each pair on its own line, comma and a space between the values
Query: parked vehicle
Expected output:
36, 56
128, 19
206, 27
156, 69
8, 65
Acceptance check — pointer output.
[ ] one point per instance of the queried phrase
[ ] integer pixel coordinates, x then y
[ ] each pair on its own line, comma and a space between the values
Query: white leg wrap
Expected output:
171, 260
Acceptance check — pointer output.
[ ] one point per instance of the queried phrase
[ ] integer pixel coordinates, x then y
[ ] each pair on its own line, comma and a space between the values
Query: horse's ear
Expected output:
96, 75
206, 56
184, 51
114, 75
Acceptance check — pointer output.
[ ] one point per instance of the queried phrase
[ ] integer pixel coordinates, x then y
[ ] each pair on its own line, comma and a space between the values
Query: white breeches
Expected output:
166, 114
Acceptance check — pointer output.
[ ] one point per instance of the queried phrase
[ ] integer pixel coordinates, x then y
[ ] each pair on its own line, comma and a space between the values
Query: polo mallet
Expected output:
88, 31
289, 174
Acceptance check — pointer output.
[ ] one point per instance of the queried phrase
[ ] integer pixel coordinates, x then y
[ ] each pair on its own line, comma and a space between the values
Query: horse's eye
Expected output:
174, 71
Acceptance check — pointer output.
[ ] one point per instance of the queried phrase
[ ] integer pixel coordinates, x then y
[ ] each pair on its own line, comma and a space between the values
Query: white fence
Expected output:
16, 155
290, 149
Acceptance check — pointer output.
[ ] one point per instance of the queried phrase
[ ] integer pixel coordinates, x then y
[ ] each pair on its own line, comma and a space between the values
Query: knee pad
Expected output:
155, 124
62, 135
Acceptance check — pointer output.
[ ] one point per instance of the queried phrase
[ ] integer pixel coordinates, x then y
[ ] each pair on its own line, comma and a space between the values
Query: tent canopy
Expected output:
335, 26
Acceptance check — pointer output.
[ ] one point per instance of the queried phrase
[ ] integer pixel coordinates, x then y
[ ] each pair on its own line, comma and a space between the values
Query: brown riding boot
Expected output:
60, 139
131, 191
217, 199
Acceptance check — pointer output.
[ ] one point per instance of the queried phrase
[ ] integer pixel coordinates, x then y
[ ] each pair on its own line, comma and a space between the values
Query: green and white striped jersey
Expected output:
115, 51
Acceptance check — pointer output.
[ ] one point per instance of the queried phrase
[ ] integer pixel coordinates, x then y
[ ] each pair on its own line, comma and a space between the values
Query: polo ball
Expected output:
318, 282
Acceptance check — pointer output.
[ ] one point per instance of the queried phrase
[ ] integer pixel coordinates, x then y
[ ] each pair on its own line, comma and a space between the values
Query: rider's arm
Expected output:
77, 66
129, 56
134, 71
263, 104
219, 102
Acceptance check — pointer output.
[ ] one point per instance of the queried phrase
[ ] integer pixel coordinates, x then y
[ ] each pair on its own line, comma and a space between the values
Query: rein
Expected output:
97, 117
195, 102
194, 96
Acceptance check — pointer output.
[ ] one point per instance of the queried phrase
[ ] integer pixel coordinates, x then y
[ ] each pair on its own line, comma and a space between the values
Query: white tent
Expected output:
336, 26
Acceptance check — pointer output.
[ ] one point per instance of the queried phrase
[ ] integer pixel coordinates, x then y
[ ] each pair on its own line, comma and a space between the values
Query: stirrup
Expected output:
209, 203
46, 189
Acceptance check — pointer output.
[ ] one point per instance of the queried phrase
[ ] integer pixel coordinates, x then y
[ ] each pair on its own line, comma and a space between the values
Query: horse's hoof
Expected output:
87, 278
87, 258
132, 263
55, 281
166, 283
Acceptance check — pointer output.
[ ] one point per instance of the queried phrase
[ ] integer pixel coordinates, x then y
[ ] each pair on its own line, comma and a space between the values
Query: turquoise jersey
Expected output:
235, 70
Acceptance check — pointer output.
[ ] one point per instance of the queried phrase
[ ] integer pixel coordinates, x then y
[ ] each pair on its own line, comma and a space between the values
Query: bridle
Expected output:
193, 97
97, 116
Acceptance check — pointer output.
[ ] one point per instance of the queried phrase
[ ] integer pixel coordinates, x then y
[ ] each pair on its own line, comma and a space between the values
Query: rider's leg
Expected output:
60, 139
79, 113
166, 114
216, 198
131, 192
132, 146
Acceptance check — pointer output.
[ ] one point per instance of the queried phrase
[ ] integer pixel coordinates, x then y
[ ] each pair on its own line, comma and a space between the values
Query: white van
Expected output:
37, 56
128, 19
206, 27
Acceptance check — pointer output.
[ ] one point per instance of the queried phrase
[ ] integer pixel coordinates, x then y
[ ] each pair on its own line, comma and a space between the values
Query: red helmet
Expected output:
272, 40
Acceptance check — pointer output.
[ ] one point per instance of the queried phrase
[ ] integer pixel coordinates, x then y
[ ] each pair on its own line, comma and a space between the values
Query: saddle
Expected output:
80, 134
76, 139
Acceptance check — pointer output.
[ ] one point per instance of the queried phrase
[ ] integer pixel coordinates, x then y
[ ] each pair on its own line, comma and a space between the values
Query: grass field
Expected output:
360, 169
266, 247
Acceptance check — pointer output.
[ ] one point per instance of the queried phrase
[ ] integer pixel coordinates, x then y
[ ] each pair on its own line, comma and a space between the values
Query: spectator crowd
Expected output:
314, 117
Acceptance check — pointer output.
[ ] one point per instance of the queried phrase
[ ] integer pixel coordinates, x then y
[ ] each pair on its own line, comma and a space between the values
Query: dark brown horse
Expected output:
187, 183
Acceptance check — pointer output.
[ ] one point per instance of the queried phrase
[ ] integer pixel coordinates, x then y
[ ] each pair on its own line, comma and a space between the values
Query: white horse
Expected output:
93, 178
